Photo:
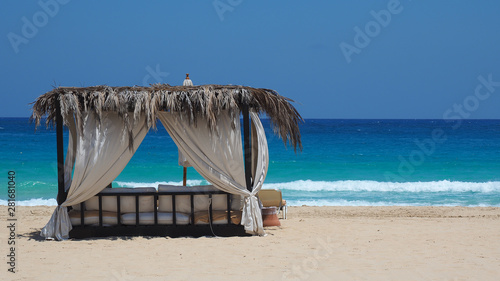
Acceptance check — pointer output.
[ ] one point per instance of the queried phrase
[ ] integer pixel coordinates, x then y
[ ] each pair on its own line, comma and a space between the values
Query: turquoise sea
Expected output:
343, 163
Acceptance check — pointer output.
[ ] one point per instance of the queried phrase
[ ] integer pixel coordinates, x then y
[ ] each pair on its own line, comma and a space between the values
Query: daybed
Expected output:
146, 211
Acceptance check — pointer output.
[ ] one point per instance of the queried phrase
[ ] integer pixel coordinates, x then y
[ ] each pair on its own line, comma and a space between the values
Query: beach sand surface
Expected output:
314, 243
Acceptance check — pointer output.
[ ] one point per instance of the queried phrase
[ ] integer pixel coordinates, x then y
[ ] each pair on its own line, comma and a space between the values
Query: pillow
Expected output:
219, 217
200, 200
149, 218
92, 218
127, 203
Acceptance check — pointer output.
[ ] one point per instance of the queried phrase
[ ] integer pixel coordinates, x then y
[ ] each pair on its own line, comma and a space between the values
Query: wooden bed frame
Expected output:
156, 229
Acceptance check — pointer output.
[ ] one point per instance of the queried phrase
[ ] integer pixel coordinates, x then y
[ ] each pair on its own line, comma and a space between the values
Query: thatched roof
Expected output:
192, 101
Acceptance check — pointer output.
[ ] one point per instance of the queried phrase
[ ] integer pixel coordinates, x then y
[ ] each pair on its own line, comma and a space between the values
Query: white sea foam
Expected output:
351, 185
356, 203
341, 202
32, 202
296, 192
433, 186
155, 184
320, 202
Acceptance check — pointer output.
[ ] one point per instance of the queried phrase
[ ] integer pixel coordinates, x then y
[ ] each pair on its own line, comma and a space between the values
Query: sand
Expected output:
314, 243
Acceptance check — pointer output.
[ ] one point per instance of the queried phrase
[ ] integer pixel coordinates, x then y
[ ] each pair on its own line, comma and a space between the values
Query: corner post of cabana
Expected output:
61, 193
247, 146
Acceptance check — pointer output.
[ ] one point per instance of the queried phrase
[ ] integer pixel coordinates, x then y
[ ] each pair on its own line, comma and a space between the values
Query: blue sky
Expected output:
336, 59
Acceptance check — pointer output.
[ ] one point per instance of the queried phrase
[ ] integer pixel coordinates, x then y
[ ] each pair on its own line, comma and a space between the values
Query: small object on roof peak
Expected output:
187, 81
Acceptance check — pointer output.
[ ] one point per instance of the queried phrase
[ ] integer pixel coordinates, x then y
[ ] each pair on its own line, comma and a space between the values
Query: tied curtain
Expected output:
98, 154
218, 157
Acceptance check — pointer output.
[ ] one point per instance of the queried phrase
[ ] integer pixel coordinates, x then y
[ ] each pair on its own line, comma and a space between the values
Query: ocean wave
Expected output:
349, 185
340, 202
355, 193
155, 184
361, 203
32, 202
353, 185
318, 202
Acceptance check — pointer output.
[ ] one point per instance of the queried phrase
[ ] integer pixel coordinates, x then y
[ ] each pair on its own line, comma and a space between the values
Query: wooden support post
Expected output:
247, 147
61, 193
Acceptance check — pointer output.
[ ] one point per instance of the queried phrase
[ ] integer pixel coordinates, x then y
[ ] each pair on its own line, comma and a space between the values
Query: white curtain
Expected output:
98, 157
69, 163
183, 161
218, 157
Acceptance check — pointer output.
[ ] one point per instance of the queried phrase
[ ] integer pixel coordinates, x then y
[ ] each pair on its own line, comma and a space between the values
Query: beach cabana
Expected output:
107, 124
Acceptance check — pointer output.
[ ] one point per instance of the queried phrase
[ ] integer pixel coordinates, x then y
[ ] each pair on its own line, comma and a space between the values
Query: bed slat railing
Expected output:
191, 215
174, 211
82, 213
228, 202
118, 210
100, 209
210, 215
136, 210
155, 198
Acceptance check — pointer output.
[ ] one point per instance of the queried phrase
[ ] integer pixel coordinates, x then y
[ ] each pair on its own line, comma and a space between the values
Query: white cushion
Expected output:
219, 217
149, 218
127, 203
201, 202
92, 218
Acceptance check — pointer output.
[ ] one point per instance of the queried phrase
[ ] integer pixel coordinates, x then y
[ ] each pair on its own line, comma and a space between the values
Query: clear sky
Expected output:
336, 59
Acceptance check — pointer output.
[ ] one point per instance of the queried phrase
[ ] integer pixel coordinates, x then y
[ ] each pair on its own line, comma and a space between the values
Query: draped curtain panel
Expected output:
183, 161
69, 163
260, 165
97, 156
218, 157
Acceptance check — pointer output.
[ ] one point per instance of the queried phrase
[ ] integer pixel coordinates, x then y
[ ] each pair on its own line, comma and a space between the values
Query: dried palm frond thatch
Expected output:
190, 101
